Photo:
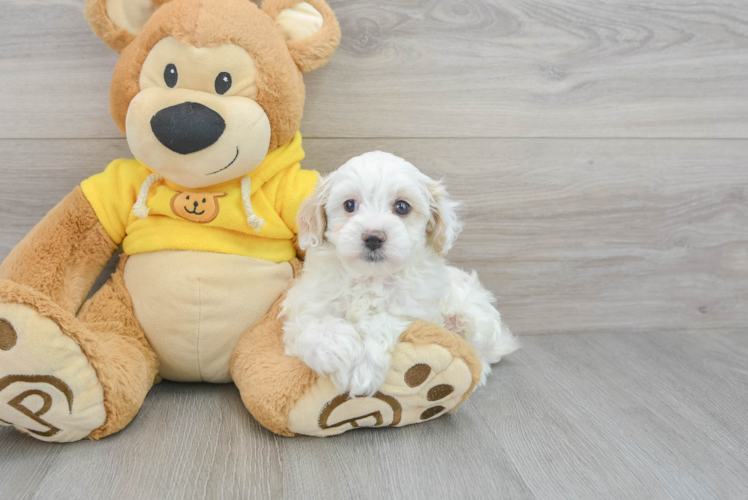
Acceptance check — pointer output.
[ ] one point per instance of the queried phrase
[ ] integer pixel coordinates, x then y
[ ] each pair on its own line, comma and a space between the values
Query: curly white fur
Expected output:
346, 312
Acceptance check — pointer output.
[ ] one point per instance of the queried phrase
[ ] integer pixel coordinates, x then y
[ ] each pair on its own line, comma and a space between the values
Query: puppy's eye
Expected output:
402, 207
350, 206
171, 76
223, 83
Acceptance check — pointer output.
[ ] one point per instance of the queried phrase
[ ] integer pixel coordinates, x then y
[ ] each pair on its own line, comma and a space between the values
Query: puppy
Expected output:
376, 232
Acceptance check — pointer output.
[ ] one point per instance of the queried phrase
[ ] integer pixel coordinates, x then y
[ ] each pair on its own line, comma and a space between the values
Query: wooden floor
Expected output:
625, 415
600, 149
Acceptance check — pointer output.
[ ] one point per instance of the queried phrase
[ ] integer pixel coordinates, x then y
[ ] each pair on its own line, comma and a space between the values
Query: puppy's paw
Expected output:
367, 374
329, 348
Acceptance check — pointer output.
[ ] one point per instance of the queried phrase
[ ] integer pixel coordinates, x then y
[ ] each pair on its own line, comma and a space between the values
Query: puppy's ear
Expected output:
443, 226
311, 219
118, 22
311, 30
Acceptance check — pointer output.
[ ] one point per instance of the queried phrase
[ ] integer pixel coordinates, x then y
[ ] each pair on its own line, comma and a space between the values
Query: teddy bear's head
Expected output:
204, 89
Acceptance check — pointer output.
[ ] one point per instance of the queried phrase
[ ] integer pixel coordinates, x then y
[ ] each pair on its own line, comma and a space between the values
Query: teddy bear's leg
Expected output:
432, 372
64, 378
125, 363
270, 382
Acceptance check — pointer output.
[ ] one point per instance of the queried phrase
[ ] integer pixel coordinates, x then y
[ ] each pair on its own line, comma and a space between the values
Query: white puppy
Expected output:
376, 231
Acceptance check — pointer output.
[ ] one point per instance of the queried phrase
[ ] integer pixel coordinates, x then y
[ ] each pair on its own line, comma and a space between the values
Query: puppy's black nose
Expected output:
374, 239
188, 127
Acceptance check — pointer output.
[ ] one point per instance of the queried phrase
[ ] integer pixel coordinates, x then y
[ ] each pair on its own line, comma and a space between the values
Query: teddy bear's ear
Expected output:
310, 27
118, 22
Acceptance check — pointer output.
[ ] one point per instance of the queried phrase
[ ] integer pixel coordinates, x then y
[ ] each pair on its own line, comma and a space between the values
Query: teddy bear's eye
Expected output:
223, 83
171, 76
203, 200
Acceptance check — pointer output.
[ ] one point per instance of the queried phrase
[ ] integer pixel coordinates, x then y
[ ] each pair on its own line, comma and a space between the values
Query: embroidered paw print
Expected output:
196, 207
8, 335
48, 388
424, 382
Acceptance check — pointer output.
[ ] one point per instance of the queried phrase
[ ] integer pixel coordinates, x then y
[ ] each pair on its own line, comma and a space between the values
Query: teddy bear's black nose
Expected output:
188, 127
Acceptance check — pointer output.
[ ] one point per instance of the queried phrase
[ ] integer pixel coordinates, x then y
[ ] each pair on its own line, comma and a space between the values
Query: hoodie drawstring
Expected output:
252, 219
140, 209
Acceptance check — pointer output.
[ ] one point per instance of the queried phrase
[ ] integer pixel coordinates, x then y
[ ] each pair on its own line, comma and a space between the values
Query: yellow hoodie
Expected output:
211, 219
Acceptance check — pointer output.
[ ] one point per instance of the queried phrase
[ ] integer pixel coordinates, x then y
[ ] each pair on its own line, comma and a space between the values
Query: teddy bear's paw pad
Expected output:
424, 382
48, 389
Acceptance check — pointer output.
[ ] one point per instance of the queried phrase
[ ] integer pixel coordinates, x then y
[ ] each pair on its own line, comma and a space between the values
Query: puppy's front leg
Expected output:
379, 333
329, 347
368, 371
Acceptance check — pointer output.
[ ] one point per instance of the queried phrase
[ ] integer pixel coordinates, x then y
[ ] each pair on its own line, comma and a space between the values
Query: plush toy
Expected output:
210, 96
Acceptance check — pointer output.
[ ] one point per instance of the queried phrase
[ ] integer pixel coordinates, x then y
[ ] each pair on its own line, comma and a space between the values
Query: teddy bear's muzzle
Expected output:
188, 127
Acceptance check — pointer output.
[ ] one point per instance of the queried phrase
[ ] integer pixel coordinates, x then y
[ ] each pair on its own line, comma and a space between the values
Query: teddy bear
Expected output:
210, 97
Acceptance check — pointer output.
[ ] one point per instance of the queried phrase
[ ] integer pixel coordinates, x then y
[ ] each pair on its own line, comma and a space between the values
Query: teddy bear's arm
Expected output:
63, 255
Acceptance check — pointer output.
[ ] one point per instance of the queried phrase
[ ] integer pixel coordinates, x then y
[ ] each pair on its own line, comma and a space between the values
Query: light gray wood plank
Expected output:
571, 235
625, 415
656, 415
189, 441
198, 441
54, 72
603, 236
456, 457
593, 235
439, 68
24, 463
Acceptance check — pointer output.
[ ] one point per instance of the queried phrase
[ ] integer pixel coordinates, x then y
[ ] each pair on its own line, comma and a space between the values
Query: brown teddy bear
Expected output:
210, 96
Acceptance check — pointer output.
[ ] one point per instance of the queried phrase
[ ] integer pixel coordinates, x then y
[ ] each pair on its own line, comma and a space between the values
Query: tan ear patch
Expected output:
300, 21
310, 28
196, 207
118, 22
130, 15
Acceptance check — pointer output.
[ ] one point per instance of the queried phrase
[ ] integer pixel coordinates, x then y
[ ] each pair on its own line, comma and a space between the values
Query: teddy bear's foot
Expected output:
430, 374
432, 371
48, 388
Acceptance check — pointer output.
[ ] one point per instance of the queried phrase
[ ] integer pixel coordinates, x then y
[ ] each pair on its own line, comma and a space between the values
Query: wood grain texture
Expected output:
657, 415
593, 235
572, 236
641, 243
439, 68
54, 72
456, 456
625, 415
189, 441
